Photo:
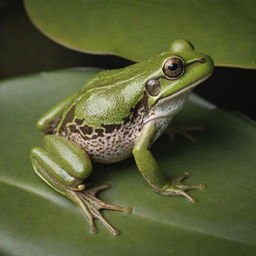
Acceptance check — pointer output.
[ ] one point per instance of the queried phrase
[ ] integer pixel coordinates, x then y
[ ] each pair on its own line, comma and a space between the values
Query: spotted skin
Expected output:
109, 147
110, 142
114, 142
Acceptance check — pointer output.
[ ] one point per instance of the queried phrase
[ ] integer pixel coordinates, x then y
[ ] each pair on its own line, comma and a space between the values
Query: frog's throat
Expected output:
176, 94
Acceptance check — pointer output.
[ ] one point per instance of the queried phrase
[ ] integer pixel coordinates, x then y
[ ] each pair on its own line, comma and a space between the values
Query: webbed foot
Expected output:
91, 207
177, 188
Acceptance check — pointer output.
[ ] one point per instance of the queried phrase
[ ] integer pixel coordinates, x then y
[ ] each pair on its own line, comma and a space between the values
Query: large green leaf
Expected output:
33, 52
35, 220
138, 29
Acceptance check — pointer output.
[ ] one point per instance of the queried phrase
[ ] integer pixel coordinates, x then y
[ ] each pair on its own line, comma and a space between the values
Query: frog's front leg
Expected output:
150, 169
63, 165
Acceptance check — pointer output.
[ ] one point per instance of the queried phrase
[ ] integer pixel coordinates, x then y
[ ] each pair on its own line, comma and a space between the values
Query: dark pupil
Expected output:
173, 66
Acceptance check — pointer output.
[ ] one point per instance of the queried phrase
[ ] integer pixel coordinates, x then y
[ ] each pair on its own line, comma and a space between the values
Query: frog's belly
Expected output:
109, 147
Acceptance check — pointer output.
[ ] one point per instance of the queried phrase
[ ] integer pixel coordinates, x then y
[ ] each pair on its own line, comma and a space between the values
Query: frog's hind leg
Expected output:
91, 207
63, 165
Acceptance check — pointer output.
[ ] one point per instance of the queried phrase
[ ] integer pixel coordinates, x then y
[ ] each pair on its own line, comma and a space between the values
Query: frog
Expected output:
117, 114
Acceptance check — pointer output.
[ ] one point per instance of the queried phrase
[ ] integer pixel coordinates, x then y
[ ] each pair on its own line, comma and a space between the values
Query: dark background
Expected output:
25, 50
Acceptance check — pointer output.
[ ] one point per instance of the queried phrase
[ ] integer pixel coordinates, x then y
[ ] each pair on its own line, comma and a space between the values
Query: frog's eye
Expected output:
153, 87
173, 68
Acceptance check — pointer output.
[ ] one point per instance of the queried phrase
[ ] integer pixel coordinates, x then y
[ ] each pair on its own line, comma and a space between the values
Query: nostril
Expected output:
203, 60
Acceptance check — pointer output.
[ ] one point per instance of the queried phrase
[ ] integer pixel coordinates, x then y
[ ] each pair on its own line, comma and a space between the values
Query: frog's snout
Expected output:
202, 60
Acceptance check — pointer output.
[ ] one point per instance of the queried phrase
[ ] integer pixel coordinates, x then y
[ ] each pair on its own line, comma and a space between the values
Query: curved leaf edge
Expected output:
99, 52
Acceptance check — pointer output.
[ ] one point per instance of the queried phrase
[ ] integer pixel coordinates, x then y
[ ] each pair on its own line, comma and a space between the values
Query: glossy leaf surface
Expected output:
138, 29
35, 220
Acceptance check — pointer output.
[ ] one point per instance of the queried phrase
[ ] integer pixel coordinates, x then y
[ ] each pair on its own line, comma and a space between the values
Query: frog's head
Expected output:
177, 71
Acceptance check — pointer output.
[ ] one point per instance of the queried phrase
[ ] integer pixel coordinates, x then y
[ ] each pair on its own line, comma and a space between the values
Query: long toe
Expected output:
91, 207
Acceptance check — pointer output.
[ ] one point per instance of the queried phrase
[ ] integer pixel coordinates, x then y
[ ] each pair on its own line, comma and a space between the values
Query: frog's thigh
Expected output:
61, 163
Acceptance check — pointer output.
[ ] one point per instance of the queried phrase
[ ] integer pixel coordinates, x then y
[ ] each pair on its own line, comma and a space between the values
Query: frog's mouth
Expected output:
189, 87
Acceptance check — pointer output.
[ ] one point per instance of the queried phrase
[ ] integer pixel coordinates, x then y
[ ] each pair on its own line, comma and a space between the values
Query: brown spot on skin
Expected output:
126, 120
87, 130
109, 128
100, 132
79, 121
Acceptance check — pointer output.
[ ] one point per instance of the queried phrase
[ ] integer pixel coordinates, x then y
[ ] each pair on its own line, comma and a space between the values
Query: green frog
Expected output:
118, 113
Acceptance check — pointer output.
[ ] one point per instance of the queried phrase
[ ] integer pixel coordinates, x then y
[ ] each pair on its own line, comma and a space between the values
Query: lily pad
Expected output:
36, 220
138, 29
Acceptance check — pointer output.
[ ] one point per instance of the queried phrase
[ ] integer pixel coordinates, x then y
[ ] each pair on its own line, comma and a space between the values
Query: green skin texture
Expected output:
108, 98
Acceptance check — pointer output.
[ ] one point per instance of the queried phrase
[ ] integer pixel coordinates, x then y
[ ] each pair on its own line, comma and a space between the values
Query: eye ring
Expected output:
173, 68
153, 87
